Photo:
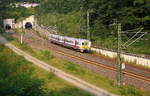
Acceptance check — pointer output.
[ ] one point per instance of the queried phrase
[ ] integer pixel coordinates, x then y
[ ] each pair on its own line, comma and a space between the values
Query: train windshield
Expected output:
85, 43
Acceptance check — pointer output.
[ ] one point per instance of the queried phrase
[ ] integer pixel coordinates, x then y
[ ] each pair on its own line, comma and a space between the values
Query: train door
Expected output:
75, 44
64, 41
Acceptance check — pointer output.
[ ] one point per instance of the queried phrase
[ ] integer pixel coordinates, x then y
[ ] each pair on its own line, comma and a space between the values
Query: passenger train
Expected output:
83, 45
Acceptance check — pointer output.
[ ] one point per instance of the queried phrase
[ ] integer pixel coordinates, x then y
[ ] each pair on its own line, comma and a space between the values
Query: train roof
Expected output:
71, 37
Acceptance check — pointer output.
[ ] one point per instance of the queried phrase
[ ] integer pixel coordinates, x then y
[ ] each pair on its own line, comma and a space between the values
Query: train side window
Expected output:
77, 42
69, 41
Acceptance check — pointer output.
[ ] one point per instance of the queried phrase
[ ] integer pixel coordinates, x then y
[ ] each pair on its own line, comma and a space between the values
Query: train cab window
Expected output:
82, 43
85, 43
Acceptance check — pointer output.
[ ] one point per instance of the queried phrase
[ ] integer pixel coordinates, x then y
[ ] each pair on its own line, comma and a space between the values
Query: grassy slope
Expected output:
54, 85
82, 73
57, 86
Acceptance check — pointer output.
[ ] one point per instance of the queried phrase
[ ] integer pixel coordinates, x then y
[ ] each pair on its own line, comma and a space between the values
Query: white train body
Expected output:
75, 43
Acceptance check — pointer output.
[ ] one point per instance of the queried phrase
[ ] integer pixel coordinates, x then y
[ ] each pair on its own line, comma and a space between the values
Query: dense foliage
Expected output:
70, 18
16, 78
9, 10
131, 14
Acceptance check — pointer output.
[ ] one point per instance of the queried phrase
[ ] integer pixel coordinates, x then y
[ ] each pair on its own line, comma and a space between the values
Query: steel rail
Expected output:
127, 73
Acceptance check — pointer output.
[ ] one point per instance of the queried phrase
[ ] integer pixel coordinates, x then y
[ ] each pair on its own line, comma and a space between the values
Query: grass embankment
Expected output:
57, 86
81, 72
51, 86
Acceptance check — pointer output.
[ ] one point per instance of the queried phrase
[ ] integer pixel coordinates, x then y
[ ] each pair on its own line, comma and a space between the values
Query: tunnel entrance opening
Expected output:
28, 25
7, 27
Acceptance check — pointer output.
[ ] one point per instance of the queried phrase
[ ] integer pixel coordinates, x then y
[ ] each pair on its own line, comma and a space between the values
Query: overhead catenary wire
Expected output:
136, 39
132, 37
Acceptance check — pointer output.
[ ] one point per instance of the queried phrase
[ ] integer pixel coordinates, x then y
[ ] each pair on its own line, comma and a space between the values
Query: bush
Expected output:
16, 76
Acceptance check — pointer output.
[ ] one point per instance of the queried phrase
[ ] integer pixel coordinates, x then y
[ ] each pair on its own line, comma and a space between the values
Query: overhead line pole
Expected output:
120, 65
119, 62
88, 25
22, 33
119, 51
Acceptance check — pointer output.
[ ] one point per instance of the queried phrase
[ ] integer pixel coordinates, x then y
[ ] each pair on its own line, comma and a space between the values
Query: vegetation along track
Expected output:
137, 76
127, 73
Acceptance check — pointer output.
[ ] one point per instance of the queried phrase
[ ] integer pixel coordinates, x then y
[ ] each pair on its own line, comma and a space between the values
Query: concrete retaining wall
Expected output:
137, 60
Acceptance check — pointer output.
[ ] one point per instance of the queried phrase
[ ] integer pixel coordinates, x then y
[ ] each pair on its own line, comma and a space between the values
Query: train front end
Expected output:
85, 46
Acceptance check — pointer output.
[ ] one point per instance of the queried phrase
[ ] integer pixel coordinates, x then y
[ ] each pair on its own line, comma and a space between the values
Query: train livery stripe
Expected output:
67, 45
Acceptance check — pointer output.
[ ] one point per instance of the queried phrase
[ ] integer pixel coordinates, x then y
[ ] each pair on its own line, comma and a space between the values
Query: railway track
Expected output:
103, 66
140, 77
90, 62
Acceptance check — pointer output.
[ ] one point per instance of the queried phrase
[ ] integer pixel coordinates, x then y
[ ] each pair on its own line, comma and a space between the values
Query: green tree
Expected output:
16, 77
